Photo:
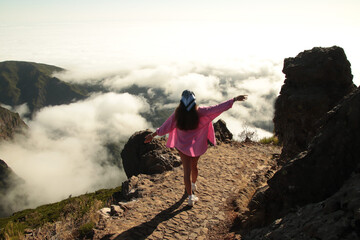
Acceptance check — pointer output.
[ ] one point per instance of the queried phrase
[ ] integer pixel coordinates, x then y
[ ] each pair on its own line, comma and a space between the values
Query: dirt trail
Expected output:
162, 212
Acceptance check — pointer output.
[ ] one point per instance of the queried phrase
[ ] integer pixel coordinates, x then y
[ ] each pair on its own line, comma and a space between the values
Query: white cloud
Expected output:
204, 87
143, 77
212, 83
63, 152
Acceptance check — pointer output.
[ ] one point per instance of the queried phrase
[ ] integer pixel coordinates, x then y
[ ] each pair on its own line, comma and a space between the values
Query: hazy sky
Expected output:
254, 11
79, 32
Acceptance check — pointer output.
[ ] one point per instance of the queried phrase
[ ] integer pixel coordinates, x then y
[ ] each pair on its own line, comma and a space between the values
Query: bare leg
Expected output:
194, 169
186, 161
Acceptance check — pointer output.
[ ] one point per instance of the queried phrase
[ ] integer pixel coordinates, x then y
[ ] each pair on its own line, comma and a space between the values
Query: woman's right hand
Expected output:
148, 138
240, 98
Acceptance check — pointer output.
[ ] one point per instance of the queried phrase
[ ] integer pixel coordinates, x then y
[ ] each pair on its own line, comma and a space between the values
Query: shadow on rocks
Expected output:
145, 229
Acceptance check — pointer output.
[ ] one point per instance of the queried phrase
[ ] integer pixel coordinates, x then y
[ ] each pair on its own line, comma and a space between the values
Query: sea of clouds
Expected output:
64, 152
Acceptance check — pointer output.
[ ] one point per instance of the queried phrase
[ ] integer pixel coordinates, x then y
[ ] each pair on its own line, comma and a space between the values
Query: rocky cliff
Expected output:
10, 123
8, 180
315, 81
7, 177
315, 195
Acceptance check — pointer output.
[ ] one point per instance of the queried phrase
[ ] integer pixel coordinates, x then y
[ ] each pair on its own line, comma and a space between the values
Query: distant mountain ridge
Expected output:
33, 83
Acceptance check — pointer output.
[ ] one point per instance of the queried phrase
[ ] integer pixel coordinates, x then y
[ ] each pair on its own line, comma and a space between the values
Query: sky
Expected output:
87, 34
218, 49
174, 30
258, 11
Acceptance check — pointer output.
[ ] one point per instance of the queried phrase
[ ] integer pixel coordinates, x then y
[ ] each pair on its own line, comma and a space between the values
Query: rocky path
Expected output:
161, 211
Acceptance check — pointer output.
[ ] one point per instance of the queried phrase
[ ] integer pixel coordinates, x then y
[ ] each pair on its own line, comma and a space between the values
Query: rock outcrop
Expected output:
6, 176
316, 80
337, 217
222, 133
10, 123
8, 180
318, 173
149, 158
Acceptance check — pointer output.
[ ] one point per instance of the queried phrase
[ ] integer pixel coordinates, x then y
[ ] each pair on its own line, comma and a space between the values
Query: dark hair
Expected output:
186, 120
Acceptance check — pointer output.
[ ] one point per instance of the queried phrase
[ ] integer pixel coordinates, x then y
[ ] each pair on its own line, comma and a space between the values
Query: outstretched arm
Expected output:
165, 128
213, 111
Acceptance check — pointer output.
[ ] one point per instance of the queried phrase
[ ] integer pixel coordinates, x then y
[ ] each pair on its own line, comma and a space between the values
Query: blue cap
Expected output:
188, 99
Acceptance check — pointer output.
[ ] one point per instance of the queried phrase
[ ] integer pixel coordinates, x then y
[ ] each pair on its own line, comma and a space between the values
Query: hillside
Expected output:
33, 83
76, 213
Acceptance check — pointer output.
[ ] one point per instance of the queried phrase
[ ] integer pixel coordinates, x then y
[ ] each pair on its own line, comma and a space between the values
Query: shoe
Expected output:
193, 187
192, 200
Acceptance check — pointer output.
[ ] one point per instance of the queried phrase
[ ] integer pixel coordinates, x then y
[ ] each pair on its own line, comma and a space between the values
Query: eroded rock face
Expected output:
149, 158
5, 175
8, 181
316, 80
222, 133
10, 124
316, 174
337, 217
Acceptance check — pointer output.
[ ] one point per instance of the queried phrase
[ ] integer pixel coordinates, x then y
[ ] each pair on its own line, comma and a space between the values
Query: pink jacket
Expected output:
194, 142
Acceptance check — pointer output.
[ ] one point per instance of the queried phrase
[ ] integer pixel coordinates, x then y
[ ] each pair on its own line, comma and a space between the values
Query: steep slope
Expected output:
7, 177
8, 180
10, 123
32, 83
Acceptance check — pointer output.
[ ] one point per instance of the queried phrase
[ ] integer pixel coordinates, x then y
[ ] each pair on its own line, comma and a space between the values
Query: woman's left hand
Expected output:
240, 98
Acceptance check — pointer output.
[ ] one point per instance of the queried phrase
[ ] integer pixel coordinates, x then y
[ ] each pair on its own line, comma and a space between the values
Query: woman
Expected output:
190, 127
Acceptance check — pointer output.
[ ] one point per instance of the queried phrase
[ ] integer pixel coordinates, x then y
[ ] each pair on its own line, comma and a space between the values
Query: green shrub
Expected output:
86, 230
79, 209
270, 140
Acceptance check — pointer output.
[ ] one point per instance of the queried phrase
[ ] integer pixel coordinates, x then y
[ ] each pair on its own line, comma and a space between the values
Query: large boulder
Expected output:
316, 174
316, 80
147, 158
222, 133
